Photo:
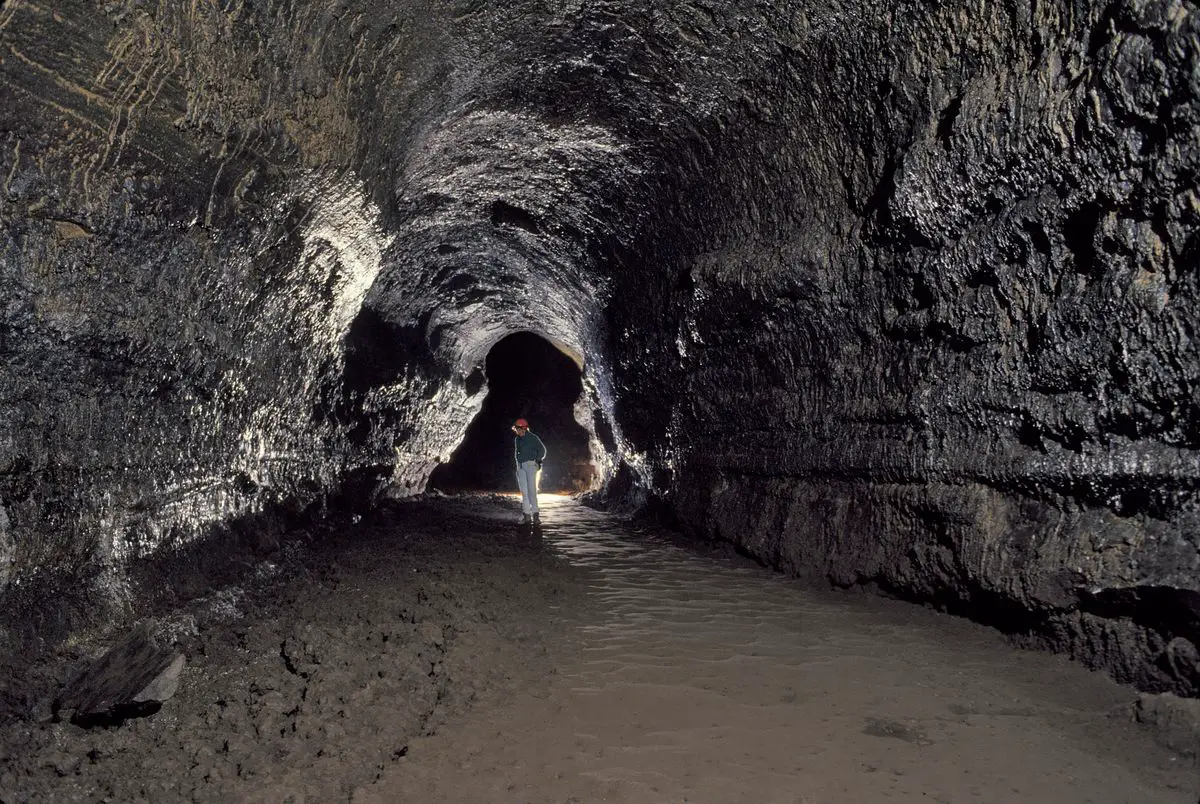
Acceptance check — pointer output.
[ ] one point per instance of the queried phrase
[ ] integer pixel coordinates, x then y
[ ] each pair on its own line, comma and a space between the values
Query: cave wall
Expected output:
254, 256
893, 293
940, 336
187, 238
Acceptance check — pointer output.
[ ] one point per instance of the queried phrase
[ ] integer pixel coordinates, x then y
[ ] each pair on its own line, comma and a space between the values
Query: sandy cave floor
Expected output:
438, 652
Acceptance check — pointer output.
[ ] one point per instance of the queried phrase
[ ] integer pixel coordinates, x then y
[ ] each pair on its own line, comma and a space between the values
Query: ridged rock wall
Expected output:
187, 239
893, 293
935, 329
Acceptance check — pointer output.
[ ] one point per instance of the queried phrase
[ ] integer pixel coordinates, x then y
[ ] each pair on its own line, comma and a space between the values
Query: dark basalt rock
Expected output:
132, 679
902, 294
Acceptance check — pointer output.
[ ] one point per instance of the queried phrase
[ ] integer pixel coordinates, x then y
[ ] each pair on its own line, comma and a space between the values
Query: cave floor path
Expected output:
705, 678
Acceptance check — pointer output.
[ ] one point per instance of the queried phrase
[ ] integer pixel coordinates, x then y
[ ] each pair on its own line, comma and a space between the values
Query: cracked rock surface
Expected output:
311, 671
892, 293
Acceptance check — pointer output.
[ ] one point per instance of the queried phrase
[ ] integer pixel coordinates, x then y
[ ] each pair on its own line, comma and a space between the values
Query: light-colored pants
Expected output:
527, 481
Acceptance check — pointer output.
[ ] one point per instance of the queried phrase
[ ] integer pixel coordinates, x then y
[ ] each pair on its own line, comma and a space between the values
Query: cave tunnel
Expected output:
885, 296
527, 377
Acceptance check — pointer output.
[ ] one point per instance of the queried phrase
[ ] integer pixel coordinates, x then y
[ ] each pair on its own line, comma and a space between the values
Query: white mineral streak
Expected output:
597, 390
344, 220
8, 548
343, 243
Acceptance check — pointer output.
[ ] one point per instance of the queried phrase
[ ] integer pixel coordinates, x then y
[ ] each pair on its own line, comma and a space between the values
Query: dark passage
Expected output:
527, 377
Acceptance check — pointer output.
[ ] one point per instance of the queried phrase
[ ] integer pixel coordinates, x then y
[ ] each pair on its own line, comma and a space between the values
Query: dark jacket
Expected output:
529, 448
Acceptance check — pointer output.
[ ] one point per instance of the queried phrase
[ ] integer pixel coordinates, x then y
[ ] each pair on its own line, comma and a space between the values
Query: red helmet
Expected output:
521, 423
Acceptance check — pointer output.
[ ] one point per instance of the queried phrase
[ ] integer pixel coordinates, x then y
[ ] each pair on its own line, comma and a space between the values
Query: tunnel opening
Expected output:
530, 378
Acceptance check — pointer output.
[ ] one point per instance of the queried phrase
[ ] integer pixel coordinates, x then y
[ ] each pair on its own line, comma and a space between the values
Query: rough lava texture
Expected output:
900, 293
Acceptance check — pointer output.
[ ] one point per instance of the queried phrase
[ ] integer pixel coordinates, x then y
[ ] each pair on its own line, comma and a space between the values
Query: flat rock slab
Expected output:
132, 678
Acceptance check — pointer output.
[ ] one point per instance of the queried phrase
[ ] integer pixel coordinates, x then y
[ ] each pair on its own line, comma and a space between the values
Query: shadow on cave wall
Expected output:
527, 377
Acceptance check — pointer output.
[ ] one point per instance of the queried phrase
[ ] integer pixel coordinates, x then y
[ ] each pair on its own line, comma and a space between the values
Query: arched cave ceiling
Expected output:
902, 292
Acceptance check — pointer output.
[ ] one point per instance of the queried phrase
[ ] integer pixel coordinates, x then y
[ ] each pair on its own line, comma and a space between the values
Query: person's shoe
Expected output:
525, 519
537, 518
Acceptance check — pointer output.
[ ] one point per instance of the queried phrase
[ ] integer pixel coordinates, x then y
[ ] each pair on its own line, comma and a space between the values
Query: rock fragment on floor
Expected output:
133, 678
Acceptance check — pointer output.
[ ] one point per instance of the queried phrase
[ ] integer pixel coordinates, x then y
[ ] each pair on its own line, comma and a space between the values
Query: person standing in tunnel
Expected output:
529, 453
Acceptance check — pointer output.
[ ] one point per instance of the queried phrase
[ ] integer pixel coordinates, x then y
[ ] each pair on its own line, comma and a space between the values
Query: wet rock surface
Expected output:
898, 294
